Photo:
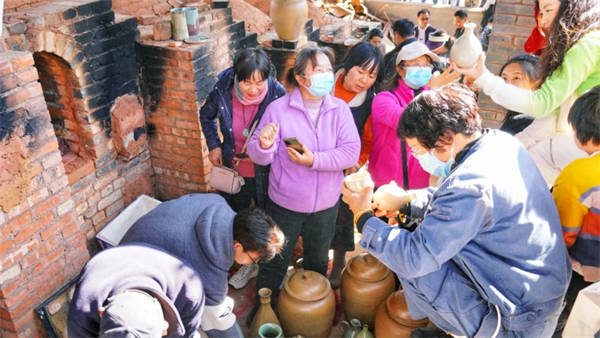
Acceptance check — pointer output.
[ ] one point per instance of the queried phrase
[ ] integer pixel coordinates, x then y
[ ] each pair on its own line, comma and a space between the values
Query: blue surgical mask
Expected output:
417, 77
321, 84
431, 164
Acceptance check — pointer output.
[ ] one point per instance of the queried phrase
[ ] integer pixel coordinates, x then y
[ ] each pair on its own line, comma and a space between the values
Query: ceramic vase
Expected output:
393, 318
289, 18
466, 50
349, 330
366, 283
306, 305
179, 24
265, 313
192, 20
269, 330
364, 333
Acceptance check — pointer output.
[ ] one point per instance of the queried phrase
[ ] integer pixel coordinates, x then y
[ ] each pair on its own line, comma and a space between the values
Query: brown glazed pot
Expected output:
289, 18
265, 314
306, 305
393, 319
366, 283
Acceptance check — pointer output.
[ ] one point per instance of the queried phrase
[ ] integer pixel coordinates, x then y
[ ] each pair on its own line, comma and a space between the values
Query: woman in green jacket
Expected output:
570, 66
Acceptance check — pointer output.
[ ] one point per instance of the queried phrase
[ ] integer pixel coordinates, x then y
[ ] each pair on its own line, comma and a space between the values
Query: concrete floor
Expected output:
244, 298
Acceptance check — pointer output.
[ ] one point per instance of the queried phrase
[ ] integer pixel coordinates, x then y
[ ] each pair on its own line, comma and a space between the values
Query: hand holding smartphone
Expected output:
292, 142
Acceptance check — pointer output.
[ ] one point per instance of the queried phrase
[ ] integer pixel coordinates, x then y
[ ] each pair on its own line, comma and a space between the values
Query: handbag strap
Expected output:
404, 165
246, 143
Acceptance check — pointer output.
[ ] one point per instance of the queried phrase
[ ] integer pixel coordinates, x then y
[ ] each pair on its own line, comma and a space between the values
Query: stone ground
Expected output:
244, 298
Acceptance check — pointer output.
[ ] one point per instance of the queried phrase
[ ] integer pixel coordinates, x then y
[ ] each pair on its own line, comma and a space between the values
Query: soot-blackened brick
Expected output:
99, 114
87, 50
94, 21
84, 10
88, 91
104, 59
100, 7
100, 34
128, 38
81, 26
70, 14
104, 46
76, 60
84, 38
105, 72
107, 18
97, 101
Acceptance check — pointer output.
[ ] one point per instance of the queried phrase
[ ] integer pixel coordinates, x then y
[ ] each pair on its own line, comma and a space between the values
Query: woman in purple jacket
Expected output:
304, 184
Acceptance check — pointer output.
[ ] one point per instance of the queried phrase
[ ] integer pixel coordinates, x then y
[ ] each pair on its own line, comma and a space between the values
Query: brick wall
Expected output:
513, 22
50, 207
175, 83
18, 5
145, 7
42, 241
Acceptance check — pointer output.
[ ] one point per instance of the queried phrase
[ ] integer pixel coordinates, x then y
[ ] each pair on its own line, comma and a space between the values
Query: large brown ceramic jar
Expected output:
289, 18
393, 319
366, 283
306, 305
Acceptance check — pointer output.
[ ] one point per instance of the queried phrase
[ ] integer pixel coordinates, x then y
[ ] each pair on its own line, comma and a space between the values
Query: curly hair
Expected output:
574, 20
436, 115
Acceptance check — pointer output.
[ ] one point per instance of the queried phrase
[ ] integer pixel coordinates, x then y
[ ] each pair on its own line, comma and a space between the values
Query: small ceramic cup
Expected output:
357, 182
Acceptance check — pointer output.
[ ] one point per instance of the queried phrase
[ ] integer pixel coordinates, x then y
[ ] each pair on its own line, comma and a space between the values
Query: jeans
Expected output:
245, 197
344, 229
317, 229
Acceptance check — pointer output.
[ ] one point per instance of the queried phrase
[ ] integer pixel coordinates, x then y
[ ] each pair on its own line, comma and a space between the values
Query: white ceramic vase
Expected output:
467, 48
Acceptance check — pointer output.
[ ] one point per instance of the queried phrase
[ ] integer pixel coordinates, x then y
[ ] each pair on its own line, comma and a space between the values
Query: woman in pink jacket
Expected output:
387, 158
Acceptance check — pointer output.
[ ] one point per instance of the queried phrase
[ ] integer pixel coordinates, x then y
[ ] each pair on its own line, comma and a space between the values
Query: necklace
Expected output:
245, 132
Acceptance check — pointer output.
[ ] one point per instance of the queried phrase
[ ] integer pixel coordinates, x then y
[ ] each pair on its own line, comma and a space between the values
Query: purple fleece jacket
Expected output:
334, 141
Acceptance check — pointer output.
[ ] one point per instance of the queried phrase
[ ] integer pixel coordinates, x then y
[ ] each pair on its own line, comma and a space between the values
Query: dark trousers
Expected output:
343, 239
316, 229
577, 284
245, 197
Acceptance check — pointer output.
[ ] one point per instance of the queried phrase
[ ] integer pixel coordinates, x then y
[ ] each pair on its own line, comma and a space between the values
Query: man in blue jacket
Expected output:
203, 230
136, 291
488, 259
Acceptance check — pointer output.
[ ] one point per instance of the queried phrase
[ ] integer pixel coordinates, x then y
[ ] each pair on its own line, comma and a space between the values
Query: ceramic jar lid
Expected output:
398, 310
367, 268
307, 286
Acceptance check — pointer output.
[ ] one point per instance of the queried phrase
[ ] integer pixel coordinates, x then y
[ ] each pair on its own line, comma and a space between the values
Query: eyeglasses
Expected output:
416, 154
415, 65
252, 259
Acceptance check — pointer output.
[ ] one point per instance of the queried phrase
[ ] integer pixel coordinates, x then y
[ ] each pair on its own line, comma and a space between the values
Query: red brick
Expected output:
48, 260
20, 222
57, 227
9, 288
27, 75
17, 63
5, 246
14, 299
32, 229
70, 230
57, 199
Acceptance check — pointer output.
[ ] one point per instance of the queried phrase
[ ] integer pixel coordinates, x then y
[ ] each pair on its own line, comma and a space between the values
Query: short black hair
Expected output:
584, 117
256, 231
373, 33
404, 27
434, 113
424, 10
461, 13
248, 61
301, 62
367, 57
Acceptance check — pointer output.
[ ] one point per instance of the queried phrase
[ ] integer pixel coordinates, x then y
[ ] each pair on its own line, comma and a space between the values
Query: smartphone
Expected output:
292, 142
241, 156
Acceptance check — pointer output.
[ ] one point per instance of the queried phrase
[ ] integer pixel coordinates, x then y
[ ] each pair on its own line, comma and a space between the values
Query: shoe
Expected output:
243, 276
429, 333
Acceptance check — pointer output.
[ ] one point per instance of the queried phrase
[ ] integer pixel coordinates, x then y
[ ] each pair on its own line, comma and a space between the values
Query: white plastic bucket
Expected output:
114, 231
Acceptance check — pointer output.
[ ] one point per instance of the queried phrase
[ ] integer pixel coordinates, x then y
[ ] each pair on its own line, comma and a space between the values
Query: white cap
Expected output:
413, 51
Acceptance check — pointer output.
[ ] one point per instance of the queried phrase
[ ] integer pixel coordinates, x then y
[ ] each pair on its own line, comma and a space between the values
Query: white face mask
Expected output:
433, 165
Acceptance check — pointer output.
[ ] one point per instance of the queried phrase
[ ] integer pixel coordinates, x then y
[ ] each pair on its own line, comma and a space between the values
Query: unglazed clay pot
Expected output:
467, 48
265, 313
390, 197
366, 283
393, 319
289, 18
306, 305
